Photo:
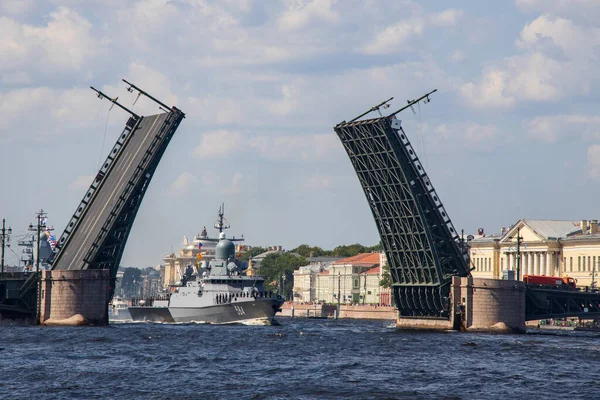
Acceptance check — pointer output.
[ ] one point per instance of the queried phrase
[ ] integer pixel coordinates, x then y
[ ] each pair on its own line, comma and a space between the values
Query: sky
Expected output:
513, 131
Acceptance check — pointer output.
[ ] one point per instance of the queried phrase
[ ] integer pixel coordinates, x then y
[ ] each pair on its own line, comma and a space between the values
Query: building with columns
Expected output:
546, 247
354, 280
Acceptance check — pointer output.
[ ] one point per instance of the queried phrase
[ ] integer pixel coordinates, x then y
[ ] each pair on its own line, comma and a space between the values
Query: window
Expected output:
578, 263
589, 263
583, 263
490, 264
355, 283
571, 264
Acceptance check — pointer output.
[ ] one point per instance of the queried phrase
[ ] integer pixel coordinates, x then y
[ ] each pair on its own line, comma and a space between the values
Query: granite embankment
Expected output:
346, 311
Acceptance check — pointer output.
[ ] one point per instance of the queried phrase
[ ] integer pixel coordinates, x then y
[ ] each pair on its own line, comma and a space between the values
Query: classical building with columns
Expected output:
547, 247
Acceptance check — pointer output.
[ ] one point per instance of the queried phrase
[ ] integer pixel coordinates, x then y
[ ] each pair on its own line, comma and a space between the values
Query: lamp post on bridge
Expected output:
518, 256
5, 238
337, 314
365, 289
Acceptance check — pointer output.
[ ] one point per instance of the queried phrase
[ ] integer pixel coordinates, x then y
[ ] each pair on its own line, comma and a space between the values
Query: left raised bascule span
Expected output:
96, 234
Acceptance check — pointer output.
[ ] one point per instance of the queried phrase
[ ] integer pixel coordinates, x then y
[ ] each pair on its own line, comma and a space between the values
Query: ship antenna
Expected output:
221, 221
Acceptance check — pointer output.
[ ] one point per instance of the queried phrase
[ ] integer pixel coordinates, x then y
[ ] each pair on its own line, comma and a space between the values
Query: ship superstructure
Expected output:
215, 289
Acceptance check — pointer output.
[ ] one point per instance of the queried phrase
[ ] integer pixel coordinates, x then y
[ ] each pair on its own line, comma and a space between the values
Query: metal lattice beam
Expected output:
96, 235
417, 235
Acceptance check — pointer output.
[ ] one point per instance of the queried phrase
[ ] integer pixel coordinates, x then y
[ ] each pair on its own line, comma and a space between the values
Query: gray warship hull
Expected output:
259, 310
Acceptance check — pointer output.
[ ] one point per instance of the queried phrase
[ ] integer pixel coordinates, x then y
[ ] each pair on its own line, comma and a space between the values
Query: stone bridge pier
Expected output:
74, 297
479, 305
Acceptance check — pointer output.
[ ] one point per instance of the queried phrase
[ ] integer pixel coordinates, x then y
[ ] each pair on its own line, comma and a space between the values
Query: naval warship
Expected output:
217, 291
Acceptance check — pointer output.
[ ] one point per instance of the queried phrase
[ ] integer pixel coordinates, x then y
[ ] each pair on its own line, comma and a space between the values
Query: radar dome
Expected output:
224, 250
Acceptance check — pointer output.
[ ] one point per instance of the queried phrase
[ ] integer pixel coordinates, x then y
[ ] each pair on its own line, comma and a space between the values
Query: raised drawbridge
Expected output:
96, 234
421, 244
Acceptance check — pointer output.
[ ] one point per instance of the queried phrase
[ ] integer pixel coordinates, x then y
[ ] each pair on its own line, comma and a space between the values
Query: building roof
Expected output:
323, 259
360, 259
582, 237
373, 271
261, 256
548, 228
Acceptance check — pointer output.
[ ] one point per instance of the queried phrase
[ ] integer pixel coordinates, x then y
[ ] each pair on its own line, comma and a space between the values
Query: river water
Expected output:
301, 359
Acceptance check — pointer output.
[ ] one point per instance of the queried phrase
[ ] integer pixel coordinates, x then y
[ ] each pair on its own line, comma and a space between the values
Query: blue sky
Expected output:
512, 132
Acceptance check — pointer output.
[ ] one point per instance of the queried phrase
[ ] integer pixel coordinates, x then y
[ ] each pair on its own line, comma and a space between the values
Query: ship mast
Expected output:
221, 221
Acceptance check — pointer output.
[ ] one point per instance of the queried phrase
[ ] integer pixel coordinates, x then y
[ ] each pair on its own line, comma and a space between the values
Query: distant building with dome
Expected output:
201, 247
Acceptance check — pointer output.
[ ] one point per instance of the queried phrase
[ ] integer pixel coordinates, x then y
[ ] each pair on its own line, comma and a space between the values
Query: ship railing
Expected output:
148, 301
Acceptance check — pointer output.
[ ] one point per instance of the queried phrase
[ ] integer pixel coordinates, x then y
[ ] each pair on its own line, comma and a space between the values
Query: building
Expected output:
151, 283
544, 247
354, 280
305, 278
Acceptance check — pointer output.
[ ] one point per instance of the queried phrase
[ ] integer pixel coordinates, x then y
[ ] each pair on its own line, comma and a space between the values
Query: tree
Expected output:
306, 251
303, 250
386, 277
277, 265
252, 252
349, 251
130, 277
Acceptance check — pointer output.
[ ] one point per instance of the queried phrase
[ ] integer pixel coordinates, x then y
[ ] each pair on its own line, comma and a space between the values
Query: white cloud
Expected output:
393, 38
316, 182
64, 43
16, 6
299, 147
557, 59
58, 112
285, 105
16, 78
466, 135
218, 144
458, 56
573, 40
182, 184
490, 92
448, 17
300, 13
236, 184
81, 183
586, 10
551, 128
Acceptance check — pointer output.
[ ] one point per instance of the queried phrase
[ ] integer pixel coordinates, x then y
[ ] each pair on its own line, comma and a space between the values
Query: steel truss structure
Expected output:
552, 303
102, 247
416, 233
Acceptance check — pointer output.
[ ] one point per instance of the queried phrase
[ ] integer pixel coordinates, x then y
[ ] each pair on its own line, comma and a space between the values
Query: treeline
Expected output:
305, 250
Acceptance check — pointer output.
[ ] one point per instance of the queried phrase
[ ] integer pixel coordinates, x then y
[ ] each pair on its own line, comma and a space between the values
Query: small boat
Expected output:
118, 310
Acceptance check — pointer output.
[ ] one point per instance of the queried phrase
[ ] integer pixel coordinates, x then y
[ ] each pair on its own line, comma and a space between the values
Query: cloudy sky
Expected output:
513, 131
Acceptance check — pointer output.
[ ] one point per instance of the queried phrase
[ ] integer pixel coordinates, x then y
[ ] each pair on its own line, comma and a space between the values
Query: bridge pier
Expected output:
479, 305
74, 297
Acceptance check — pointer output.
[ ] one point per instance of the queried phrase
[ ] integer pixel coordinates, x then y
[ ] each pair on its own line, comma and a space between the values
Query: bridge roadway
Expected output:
103, 201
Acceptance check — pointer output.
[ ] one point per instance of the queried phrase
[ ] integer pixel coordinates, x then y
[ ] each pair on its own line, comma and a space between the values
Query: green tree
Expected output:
303, 250
349, 251
277, 265
386, 277
130, 277
306, 251
254, 251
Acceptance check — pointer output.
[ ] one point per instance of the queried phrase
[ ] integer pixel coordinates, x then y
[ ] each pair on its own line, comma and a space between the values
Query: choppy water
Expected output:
302, 359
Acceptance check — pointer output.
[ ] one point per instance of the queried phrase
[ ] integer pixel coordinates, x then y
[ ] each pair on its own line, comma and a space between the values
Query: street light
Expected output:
283, 286
518, 258
5, 238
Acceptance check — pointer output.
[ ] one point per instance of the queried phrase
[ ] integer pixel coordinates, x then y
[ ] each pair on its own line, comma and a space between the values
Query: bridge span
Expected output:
429, 264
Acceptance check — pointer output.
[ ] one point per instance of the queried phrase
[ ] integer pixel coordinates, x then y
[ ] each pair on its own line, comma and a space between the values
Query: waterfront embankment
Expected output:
366, 311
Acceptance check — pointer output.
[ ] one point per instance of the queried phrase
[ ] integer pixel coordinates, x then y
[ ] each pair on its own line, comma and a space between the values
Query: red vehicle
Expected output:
551, 282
